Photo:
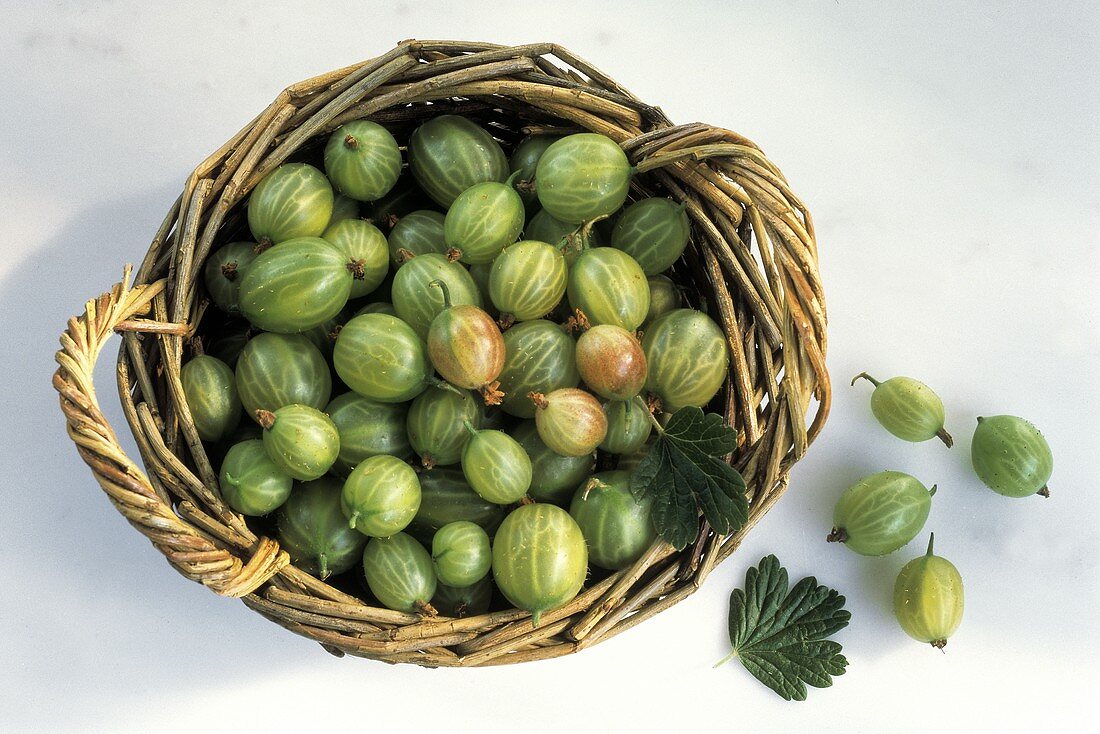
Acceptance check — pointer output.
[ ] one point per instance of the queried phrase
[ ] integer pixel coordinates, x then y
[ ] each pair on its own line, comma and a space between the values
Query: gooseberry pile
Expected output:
441, 362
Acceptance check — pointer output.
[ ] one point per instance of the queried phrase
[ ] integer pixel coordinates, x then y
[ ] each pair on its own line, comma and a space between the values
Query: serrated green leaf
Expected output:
686, 473
778, 635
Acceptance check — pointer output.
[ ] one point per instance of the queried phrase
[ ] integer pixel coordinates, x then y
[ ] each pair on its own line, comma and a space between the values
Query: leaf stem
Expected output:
725, 660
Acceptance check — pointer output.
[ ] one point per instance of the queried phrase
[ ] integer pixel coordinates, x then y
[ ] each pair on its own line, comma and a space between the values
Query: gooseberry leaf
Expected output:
685, 472
779, 635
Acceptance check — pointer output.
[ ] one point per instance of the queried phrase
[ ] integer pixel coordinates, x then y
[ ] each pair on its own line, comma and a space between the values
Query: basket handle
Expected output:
195, 554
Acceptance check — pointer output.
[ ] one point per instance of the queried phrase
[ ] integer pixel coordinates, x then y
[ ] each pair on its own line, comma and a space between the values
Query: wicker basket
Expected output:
753, 261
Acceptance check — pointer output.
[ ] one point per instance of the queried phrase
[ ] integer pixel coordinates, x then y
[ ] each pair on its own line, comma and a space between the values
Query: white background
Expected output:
950, 155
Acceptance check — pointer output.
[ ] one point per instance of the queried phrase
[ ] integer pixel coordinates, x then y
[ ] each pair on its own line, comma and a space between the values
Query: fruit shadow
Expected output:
91, 608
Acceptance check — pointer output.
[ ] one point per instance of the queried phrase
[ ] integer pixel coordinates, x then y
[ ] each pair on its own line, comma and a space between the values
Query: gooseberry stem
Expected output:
932, 492
446, 292
538, 399
944, 436
838, 535
322, 564
443, 385
867, 377
470, 427
265, 418
931, 541
353, 519
652, 418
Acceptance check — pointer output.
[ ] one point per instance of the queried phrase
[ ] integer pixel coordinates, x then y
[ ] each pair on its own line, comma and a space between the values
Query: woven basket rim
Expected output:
753, 259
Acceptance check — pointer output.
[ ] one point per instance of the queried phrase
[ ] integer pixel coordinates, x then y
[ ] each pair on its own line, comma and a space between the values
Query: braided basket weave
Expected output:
752, 261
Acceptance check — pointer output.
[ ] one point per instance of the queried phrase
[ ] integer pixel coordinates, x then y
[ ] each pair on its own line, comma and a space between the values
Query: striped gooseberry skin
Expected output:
466, 347
496, 467
570, 421
294, 200
417, 233
464, 601
367, 428
553, 477
543, 227
362, 160
628, 426
437, 424
210, 389
483, 220
539, 356
381, 496
314, 531
609, 287
881, 512
687, 357
446, 497
664, 296
417, 302
461, 553
611, 362
302, 441
295, 286
525, 160
449, 154
528, 280
251, 483
1010, 456
581, 177
380, 357
616, 526
540, 559
343, 207
654, 232
399, 572
223, 272
907, 408
480, 273
928, 598
282, 369
378, 307
364, 246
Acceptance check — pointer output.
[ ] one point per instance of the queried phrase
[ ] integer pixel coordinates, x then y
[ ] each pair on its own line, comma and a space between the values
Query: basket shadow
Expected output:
90, 608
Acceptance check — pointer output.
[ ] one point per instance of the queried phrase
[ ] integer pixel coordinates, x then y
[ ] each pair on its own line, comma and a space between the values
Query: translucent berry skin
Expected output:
609, 287
881, 512
449, 154
907, 408
381, 358
525, 160
628, 426
210, 390
539, 356
581, 177
483, 220
294, 200
664, 296
417, 302
362, 160
572, 422
367, 428
343, 207
314, 531
365, 246
928, 598
540, 559
282, 369
381, 496
617, 528
446, 497
528, 280
461, 554
437, 425
496, 467
399, 572
250, 481
302, 441
654, 232
611, 362
1010, 456
553, 477
687, 357
223, 272
296, 285
466, 347
416, 233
